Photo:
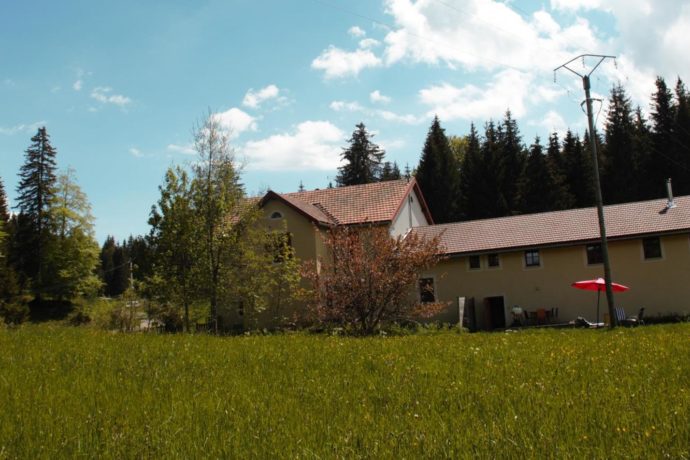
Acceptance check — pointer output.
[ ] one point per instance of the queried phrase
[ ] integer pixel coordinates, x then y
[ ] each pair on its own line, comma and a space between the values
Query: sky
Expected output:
121, 85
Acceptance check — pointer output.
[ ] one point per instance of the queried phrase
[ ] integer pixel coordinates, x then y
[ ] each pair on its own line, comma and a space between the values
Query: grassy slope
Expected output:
69, 392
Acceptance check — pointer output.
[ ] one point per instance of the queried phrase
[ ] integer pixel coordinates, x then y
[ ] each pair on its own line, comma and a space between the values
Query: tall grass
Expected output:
76, 392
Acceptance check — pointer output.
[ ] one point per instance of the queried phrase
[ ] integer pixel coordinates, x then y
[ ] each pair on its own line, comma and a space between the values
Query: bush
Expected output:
14, 312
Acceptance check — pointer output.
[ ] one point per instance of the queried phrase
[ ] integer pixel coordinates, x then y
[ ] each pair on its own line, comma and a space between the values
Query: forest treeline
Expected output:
48, 251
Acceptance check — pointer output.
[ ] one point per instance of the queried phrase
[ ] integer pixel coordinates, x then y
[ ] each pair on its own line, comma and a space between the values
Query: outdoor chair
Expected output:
624, 320
541, 316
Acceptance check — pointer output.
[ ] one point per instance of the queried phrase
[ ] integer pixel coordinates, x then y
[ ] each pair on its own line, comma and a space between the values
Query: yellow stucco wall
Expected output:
661, 286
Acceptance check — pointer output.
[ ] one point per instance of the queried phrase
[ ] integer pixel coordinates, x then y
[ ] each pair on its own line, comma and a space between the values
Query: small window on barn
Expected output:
276, 215
426, 290
532, 258
594, 254
651, 248
493, 260
475, 262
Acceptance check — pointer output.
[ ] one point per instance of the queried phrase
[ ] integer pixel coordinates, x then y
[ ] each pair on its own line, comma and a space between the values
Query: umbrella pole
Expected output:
598, 295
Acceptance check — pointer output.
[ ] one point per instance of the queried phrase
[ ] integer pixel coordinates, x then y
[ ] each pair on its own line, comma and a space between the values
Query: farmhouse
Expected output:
527, 260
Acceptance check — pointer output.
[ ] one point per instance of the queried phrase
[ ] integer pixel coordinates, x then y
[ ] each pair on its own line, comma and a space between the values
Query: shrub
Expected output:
14, 312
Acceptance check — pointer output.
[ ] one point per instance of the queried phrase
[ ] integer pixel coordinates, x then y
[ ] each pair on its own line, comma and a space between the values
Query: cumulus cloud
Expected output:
313, 145
507, 90
104, 95
235, 121
254, 99
387, 115
338, 63
369, 43
377, 97
77, 85
356, 32
135, 152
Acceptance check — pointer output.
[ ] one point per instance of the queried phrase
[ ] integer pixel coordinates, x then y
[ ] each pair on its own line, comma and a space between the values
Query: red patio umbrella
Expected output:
598, 285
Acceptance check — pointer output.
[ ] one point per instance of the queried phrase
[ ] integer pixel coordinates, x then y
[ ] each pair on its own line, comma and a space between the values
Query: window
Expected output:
475, 262
651, 248
532, 258
276, 215
426, 290
594, 254
493, 261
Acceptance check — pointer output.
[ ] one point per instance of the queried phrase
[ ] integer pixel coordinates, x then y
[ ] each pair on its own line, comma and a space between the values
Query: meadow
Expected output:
79, 392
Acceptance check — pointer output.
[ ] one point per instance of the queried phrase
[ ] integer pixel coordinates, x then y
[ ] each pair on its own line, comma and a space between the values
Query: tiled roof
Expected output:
376, 202
561, 227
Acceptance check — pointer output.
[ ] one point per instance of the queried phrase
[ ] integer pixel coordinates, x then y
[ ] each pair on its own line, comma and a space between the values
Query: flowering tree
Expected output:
369, 277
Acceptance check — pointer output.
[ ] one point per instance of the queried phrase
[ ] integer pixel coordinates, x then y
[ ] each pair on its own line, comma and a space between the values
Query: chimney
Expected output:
670, 204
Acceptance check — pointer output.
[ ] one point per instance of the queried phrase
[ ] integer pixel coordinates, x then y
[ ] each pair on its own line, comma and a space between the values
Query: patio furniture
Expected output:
624, 320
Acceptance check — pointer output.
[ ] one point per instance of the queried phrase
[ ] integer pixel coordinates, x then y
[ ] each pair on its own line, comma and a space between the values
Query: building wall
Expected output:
661, 286
410, 215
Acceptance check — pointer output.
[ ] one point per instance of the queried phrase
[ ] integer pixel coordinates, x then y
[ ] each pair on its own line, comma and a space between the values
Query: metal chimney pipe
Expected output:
670, 204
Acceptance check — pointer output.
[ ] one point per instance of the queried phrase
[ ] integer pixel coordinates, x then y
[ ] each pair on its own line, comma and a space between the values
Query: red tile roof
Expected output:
561, 227
356, 204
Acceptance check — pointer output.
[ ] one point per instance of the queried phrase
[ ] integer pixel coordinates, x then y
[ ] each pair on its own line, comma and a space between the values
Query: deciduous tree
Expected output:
368, 278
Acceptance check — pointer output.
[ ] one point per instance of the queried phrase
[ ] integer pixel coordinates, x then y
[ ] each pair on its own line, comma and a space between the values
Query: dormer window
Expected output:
276, 215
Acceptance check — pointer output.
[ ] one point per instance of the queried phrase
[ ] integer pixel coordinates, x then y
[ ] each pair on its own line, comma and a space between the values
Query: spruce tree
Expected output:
390, 171
510, 165
562, 198
437, 175
536, 186
618, 171
663, 162
642, 156
35, 192
681, 186
578, 171
362, 159
472, 178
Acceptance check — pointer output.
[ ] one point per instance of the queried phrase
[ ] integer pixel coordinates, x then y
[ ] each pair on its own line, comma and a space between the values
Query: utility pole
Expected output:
597, 183
131, 275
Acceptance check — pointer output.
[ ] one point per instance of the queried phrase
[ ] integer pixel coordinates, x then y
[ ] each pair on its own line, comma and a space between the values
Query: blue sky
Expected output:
119, 85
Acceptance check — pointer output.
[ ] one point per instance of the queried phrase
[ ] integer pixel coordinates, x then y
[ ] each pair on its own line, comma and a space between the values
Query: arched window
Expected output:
276, 215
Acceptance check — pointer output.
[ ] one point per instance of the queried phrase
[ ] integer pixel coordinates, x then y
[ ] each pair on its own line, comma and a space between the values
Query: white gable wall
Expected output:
410, 215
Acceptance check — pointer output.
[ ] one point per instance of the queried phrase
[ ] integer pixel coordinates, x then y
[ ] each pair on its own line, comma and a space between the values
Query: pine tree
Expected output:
8, 283
618, 171
510, 165
36, 191
578, 171
471, 178
682, 139
663, 162
390, 171
362, 159
642, 156
536, 189
562, 198
437, 175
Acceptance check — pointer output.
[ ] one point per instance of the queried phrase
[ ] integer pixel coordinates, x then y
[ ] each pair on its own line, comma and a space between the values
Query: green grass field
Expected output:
77, 392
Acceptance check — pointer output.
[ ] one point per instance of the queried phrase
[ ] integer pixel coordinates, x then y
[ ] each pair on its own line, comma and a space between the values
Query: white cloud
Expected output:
103, 94
369, 43
186, 149
314, 145
552, 122
377, 97
338, 63
254, 99
22, 128
574, 5
508, 90
77, 85
356, 32
344, 106
135, 152
236, 121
